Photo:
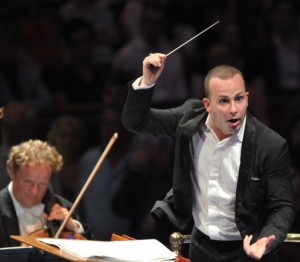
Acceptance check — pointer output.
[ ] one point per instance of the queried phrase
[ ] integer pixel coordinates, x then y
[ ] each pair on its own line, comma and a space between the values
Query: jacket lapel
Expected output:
9, 217
247, 162
247, 156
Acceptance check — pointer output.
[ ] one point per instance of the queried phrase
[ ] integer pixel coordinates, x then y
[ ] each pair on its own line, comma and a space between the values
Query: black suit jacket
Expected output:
9, 224
264, 199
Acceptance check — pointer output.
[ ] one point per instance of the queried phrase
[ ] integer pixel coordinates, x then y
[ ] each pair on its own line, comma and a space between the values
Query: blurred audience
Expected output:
129, 18
290, 129
70, 137
40, 31
148, 178
73, 57
278, 59
152, 37
96, 207
78, 84
100, 15
20, 79
19, 123
283, 57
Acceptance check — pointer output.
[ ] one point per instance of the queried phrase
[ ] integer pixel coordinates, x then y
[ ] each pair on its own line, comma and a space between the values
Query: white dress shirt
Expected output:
214, 179
32, 219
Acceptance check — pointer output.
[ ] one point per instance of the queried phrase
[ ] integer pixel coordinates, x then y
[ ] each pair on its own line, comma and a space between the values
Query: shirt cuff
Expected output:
268, 250
136, 86
80, 229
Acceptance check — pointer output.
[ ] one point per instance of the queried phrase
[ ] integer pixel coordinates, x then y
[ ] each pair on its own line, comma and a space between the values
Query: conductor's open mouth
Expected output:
233, 120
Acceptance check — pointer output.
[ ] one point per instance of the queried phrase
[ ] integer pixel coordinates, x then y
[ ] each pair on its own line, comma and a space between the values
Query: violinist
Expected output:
27, 205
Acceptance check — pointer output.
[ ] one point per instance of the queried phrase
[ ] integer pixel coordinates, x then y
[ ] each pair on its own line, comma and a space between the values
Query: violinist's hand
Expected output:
259, 248
59, 213
152, 68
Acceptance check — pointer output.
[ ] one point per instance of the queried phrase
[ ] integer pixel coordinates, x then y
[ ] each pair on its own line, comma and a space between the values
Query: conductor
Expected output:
231, 178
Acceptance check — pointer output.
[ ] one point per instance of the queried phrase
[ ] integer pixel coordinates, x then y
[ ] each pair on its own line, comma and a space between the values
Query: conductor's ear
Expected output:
206, 103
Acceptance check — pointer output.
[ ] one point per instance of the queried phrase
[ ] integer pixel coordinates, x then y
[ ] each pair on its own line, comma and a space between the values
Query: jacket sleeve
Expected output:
164, 212
139, 117
264, 202
279, 197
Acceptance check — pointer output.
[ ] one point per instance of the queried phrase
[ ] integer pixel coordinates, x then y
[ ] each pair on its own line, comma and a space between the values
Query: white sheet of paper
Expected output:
131, 250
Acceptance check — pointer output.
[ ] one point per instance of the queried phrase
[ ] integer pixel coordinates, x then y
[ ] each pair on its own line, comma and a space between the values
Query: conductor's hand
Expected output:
152, 67
259, 248
59, 213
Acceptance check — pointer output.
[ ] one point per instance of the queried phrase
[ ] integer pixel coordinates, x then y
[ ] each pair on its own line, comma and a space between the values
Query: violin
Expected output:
54, 228
44, 233
1, 112
49, 231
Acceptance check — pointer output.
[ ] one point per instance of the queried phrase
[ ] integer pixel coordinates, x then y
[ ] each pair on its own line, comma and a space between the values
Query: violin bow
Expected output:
87, 183
1, 112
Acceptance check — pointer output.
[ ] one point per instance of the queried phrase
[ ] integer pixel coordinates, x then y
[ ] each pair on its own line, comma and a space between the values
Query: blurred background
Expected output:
64, 65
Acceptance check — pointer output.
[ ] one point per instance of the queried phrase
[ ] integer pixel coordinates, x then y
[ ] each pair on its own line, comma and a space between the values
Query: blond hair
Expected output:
34, 152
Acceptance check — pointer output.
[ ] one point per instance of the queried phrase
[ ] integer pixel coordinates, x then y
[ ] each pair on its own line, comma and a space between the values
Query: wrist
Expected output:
139, 84
146, 83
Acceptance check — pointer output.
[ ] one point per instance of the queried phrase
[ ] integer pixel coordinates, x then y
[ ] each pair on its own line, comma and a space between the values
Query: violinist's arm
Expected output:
59, 213
75, 217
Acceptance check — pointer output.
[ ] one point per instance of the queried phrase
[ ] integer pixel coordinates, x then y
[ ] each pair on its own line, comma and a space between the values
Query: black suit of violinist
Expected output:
26, 204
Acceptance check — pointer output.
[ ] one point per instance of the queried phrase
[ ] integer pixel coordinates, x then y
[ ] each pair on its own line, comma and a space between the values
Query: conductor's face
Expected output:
227, 105
30, 183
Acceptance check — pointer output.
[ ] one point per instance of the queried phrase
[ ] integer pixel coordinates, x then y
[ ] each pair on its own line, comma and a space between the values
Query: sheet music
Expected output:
130, 251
